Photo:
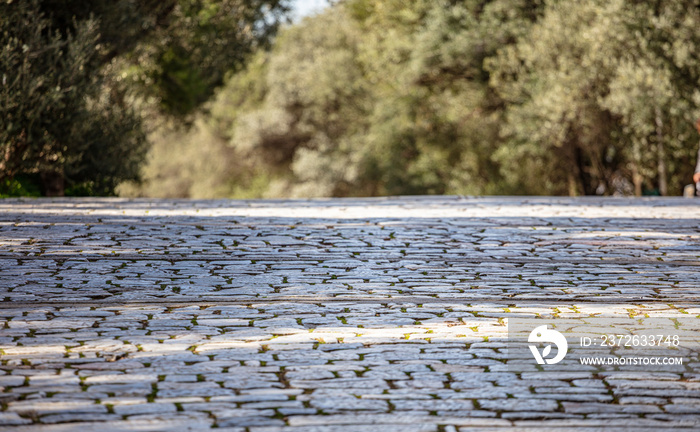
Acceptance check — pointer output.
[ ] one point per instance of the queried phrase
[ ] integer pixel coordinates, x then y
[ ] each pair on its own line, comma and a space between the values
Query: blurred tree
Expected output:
395, 100
59, 121
202, 40
596, 92
315, 102
655, 90
436, 122
386, 97
186, 162
68, 104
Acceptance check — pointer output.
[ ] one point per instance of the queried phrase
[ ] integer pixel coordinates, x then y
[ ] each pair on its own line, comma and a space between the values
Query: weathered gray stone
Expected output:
322, 315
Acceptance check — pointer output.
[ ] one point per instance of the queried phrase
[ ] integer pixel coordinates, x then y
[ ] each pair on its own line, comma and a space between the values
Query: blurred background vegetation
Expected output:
224, 98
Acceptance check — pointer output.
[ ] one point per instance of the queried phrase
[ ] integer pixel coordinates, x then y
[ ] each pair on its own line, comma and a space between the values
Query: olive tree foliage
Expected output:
409, 139
198, 43
187, 161
58, 120
393, 100
75, 76
436, 124
315, 101
391, 97
655, 92
598, 94
197, 161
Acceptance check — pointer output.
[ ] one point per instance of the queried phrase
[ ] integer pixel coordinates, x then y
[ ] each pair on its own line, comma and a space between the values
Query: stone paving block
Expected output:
351, 428
144, 408
530, 404
34, 407
12, 418
11, 380
235, 421
79, 417
335, 405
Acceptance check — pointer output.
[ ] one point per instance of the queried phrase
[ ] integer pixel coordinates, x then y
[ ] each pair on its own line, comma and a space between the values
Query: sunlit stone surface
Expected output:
382, 314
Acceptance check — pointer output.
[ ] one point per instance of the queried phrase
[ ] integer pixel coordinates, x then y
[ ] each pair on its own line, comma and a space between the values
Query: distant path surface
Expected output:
351, 315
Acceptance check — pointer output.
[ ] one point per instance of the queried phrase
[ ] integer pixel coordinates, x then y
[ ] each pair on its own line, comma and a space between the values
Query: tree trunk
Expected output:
661, 154
52, 184
636, 180
572, 184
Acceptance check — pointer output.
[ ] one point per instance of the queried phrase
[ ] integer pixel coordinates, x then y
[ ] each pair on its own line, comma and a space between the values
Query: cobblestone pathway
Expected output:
331, 315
